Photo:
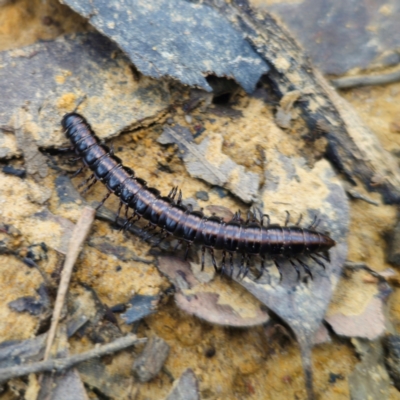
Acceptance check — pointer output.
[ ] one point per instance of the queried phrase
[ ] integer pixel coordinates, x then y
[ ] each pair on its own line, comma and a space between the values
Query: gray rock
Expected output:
151, 360
182, 39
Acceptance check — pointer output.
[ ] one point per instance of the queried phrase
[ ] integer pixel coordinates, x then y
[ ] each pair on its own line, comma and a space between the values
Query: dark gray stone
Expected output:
202, 195
182, 39
140, 307
151, 360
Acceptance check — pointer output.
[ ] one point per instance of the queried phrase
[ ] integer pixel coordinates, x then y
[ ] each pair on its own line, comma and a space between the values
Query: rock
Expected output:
391, 345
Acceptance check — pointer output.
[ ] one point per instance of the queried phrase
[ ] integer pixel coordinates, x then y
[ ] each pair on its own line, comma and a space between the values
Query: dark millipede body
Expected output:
249, 238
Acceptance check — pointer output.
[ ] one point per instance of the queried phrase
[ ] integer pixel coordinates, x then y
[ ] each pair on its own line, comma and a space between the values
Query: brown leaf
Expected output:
220, 301
357, 309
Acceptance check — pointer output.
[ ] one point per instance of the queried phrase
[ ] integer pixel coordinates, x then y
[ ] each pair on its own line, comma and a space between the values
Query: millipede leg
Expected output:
317, 261
231, 264
213, 259
203, 252
179, 201
144, 229
162, 237
126, 218
262, 268
150, 233
89, 186
315, 223
104, 200
247, 269
323, 256
296, 267
188, 245
86, 181
260, 214
126, 223
235, 217
279, 270
77, 172
160, 233
299, 220
248, 217
223, 270
268, 220
119, 211
306, 268
287, 217
178, 244
241, 266
135, 218
130, 221
173, 192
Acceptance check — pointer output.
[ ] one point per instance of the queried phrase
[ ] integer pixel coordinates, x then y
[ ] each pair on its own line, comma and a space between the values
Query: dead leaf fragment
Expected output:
219, 301
358, 308
207, 161
370, 324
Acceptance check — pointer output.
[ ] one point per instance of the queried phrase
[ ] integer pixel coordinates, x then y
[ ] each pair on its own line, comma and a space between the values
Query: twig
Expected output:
60, 364
366, 80
356, 266
79, 234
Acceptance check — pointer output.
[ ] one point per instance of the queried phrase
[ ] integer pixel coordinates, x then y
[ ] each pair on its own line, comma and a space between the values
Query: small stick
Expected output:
79, 235
366, 80
60, 364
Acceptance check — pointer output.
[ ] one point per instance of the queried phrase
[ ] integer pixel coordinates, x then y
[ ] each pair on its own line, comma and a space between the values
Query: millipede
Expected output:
250, 237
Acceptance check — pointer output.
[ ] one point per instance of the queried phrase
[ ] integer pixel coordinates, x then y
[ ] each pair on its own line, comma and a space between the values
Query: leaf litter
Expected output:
302, 304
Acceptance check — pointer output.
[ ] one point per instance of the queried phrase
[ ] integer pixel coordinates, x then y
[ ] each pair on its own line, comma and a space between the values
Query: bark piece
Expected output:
140, 307
151, 360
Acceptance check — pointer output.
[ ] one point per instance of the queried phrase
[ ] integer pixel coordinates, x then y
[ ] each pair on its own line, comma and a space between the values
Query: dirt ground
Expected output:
229, 363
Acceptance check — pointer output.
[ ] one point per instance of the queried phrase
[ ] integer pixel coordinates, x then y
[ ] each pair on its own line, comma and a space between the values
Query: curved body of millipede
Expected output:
248, 238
